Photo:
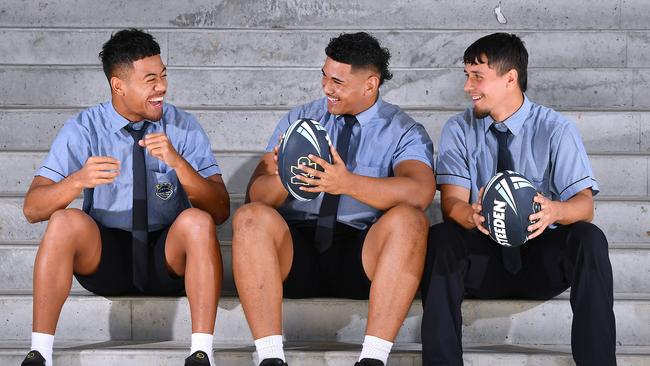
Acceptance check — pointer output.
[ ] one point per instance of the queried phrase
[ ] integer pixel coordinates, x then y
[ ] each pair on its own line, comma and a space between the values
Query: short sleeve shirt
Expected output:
545, 146
99, 131
384, 137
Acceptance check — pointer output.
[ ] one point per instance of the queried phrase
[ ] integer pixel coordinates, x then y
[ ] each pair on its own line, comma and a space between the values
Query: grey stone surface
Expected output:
638, 49
58, 86
641, 86
37, 128
579, 49
624, 222
83, 318
304, 320
245, 87
306, 354
621, 175
595, 88
645, 133
306, 48
249, 48
408, 49
239, 130
552, 14
22, 167
56, 46
237, 170
517, 322
173, 353
14, 226
432, 88
634, 14
609, 131
18, 263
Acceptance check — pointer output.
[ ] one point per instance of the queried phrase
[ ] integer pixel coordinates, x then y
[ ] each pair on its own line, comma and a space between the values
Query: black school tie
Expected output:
330, 203
140, 228
511, 256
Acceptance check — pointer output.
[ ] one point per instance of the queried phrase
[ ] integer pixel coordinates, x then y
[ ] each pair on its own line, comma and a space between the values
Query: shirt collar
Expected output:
117, 121
366, 116
514, 122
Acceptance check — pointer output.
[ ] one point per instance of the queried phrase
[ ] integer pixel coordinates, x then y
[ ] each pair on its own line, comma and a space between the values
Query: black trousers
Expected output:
464, 262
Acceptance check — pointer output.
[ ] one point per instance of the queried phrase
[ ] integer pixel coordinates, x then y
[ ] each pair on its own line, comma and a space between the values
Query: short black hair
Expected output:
504, 52
126, 47
360, 50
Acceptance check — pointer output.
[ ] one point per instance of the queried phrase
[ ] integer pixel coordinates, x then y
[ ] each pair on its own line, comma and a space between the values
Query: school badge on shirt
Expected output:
164, 190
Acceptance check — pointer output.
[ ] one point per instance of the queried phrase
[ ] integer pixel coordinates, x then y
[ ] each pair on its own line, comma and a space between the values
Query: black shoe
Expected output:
369, 362
273, 362
198, 358
33, 358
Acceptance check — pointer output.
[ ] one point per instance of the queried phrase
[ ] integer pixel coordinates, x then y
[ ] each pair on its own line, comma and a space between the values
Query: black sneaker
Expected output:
369, 362
198, 358
33, 358
273, 362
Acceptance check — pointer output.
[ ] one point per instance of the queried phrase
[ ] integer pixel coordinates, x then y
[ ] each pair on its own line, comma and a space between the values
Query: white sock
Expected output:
43, 343
376, 348
270, 347
203, 342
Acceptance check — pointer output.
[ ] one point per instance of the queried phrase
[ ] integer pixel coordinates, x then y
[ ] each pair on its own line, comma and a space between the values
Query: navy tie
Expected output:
140, 227
511, 256
330, 203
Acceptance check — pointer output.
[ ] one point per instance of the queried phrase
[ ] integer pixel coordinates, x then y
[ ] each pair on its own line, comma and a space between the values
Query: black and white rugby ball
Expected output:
507, 204
303, 137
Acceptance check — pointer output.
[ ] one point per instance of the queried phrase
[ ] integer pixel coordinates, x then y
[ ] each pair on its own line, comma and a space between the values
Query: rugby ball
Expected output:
507, 204
303, 137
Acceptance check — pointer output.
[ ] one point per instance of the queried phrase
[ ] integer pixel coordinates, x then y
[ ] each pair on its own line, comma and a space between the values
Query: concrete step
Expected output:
427, 87
624, 220
338, 14
302, 354
631, 268
629, 134
622, 175
305, 48
516, 322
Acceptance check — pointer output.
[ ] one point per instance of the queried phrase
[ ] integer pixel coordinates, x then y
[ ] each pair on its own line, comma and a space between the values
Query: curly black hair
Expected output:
504, 52
360, 50
126, 47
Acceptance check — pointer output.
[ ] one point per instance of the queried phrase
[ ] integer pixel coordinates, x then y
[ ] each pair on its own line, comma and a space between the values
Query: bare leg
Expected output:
71, 244
192, 250
262, 252
393, 258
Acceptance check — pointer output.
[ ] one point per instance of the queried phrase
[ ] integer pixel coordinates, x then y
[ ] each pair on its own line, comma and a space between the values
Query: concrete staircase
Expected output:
239, 65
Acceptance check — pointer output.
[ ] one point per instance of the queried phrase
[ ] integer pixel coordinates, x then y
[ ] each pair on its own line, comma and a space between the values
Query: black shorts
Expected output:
114, 276
338, 272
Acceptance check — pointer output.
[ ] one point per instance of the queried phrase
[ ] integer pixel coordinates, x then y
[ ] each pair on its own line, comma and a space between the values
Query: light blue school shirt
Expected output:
99, 131
545, 146
383, 137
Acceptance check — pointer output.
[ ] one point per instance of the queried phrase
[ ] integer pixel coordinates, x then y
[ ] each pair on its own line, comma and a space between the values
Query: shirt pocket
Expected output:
165, 197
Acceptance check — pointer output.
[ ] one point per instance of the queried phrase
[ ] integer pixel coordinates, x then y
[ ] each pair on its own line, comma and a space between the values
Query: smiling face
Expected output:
498, 96
138, 91
348, 90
